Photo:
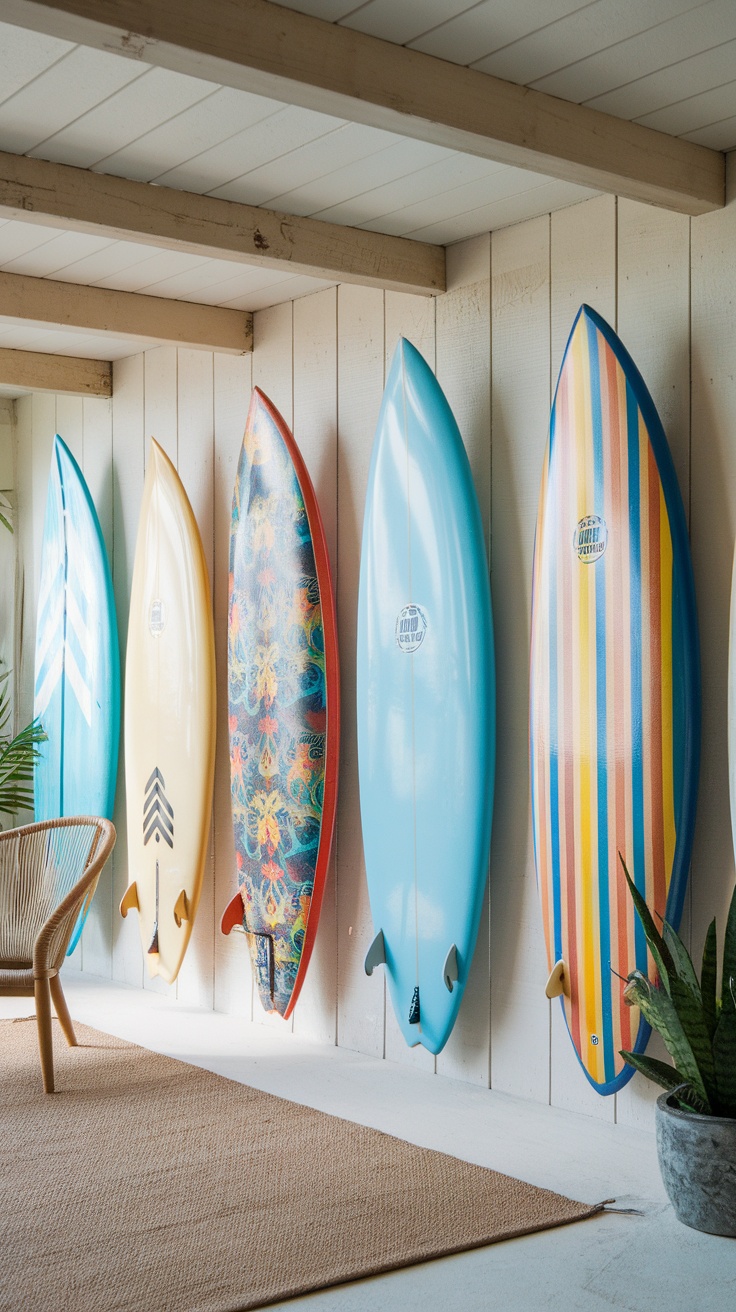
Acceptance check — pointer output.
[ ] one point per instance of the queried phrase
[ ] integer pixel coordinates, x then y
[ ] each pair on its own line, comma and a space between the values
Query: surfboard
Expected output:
169, 719
284, 707
426, 703
77, 660
615, 692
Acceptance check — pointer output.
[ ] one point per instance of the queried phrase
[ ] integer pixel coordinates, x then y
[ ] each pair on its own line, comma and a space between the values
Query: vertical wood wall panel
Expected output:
322, 360
463, 351
654, 272
520, 267
412, 317
582, 269
128, 453
233, 981
315, 430
712, 531
195, 452
360, 378
97, 432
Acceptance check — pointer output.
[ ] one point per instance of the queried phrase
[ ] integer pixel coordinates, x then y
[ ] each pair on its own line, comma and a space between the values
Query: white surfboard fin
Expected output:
449, 970
558, 982
130, 900
376, 954
181, 909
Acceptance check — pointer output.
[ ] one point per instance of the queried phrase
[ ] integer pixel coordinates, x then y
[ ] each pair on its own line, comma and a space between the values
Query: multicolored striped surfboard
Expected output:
615, 692
284, 707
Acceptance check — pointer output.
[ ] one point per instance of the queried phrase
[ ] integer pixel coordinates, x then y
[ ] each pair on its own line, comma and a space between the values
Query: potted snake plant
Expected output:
696, 1115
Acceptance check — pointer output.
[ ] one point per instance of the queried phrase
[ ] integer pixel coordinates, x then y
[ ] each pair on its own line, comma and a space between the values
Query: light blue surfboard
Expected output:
77, 679
426, 703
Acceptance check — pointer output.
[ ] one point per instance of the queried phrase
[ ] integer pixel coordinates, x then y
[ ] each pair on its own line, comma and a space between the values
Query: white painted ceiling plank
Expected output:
152, 99
161, 265
687, 78
46, 260
551, 195
321, 198
719, 136
491, 26
550, 58
695, 112
24, 56
211, 283
667, 43
329, 10
17, 238
189, 134
405, 21
442, 184
457, 201
224, 165
68, 89
290, 290
349, 144
108, 263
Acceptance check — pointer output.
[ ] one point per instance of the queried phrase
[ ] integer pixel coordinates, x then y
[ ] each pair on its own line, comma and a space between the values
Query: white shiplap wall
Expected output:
496, 340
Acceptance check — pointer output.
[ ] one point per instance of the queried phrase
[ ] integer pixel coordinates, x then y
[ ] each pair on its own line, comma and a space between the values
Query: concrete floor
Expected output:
637, 1263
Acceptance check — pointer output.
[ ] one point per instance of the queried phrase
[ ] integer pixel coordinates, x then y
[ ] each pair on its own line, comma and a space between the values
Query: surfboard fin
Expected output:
376, 954
232, 916
415, 1013
181, 908
130, 900
558, 982
449, 970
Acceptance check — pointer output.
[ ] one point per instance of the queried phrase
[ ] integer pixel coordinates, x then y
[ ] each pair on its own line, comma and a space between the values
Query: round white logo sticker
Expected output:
591, 538
411, 626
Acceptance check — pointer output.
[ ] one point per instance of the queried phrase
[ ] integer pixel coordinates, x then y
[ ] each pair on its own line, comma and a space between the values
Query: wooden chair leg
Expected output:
62, 1011
45, 1040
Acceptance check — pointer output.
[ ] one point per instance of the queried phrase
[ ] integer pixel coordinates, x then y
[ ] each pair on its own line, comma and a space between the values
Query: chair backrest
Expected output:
41, 867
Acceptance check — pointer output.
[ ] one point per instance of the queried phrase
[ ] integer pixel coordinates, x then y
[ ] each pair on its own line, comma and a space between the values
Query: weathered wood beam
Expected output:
40, 372
34, 189
126, 314
263, 48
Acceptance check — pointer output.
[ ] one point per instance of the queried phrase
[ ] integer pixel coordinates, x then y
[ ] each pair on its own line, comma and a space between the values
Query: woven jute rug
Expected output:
148, 1185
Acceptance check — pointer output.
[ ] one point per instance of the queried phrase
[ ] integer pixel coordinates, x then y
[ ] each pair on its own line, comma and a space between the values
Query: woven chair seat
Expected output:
16, 977
48, 873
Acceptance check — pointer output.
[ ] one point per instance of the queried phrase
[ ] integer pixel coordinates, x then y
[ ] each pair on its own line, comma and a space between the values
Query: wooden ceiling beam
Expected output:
38, 191
263, 48
47, 303
39, 372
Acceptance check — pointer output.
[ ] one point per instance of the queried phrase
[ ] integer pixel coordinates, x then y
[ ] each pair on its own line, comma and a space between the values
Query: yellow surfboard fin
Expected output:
181, 908
130, 900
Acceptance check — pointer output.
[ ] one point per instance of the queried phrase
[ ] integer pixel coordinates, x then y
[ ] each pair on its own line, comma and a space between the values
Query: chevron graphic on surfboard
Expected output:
158, 813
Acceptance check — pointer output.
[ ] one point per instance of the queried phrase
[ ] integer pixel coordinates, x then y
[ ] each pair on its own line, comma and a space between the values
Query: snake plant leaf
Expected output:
728, 983
666, 1077
724, 1052
682, 959
659, 1011
657, 946
708, 977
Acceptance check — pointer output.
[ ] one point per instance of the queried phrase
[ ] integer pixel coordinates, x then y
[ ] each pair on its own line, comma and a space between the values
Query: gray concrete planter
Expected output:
697, 1158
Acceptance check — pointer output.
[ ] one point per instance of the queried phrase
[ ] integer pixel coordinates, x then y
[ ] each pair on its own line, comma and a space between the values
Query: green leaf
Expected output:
708, 976
657, 946
659, 1011
17, 759
667, 1078
724, 1052
728, 982
682, 959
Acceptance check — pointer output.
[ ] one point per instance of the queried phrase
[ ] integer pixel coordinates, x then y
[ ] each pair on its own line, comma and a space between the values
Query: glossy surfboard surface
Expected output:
426, 703
615, 691
169, 719
284, 712
77, 663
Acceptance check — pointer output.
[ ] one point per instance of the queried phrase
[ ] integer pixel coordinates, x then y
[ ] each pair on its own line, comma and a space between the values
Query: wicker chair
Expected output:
48, 874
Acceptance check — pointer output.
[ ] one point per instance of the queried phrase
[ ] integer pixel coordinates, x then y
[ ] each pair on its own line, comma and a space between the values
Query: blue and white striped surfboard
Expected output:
77, 678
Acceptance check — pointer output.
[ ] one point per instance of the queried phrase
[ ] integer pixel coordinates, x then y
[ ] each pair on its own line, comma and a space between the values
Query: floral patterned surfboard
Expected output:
283, 701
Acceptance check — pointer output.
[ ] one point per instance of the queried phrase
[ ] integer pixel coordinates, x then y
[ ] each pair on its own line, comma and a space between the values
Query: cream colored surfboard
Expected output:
169, 719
